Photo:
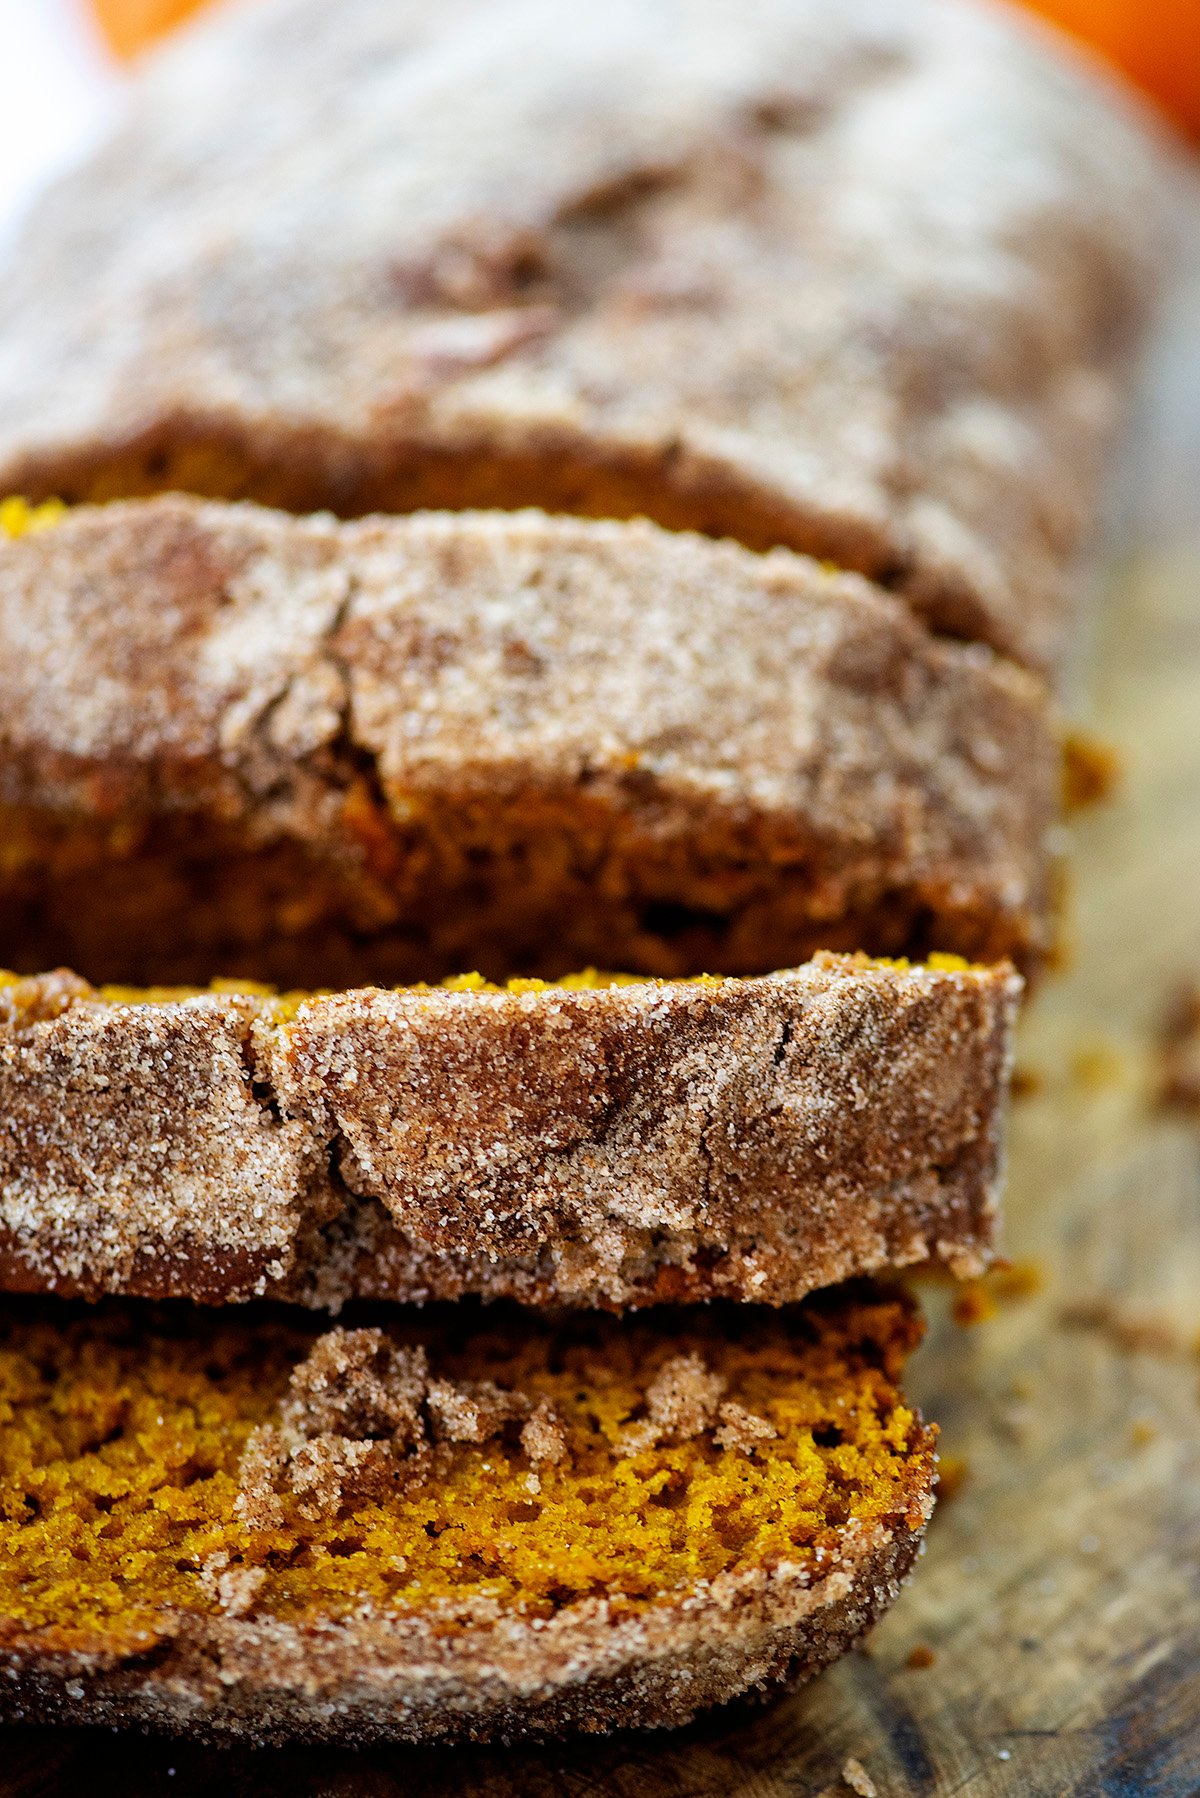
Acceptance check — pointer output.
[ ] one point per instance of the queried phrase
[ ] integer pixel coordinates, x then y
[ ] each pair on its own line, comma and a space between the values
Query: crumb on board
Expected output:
952, 1474
855, 1775
1016, 1279
1060, 957
1092, 771
973, 1305
1142, 1432
1026, 1082
1133, 1332
1179, 1047
1096, 1065
920, 1655
979, 1300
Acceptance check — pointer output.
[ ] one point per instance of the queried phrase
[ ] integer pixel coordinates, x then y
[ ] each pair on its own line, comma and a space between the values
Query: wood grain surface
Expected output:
1060, 1595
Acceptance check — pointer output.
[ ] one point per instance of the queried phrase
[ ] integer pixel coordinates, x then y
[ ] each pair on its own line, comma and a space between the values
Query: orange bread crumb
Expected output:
1092, 771
1006, 1283
973, 1305
953, 1473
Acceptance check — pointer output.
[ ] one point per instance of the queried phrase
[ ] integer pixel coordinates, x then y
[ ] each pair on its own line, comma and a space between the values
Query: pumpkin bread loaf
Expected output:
855, 285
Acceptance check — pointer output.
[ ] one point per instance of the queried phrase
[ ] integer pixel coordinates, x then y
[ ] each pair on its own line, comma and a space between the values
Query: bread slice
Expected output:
236, 1527
588, 1144
860, 277
322, 754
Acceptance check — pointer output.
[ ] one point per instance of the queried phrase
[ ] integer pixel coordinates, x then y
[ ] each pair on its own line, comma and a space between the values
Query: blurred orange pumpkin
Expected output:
1157, 42
129, 25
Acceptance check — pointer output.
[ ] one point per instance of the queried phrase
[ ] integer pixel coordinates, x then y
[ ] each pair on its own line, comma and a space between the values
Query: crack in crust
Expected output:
615, 1145
331, 754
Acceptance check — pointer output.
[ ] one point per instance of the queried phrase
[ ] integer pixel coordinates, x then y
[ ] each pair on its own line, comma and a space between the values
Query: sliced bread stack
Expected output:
418, 886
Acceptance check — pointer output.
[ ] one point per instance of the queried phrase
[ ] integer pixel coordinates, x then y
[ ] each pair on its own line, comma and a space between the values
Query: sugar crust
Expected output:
504, 732
754, 1138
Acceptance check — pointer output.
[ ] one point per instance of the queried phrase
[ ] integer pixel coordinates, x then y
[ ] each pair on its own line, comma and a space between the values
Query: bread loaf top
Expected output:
860, 277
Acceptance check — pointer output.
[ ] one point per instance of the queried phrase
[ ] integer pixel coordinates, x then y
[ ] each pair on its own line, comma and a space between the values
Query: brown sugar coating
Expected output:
585, 1144
223, 1524
860, 277
338, 754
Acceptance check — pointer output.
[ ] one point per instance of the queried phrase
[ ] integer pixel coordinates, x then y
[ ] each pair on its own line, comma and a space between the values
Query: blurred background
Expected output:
64, 62
58, 85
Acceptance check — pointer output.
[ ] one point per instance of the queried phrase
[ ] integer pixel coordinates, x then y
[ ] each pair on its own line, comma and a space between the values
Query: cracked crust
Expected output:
606, 1146
385, 751
858, 278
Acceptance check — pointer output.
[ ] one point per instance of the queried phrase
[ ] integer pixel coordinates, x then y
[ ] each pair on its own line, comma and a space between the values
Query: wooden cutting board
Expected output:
1060, 1595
